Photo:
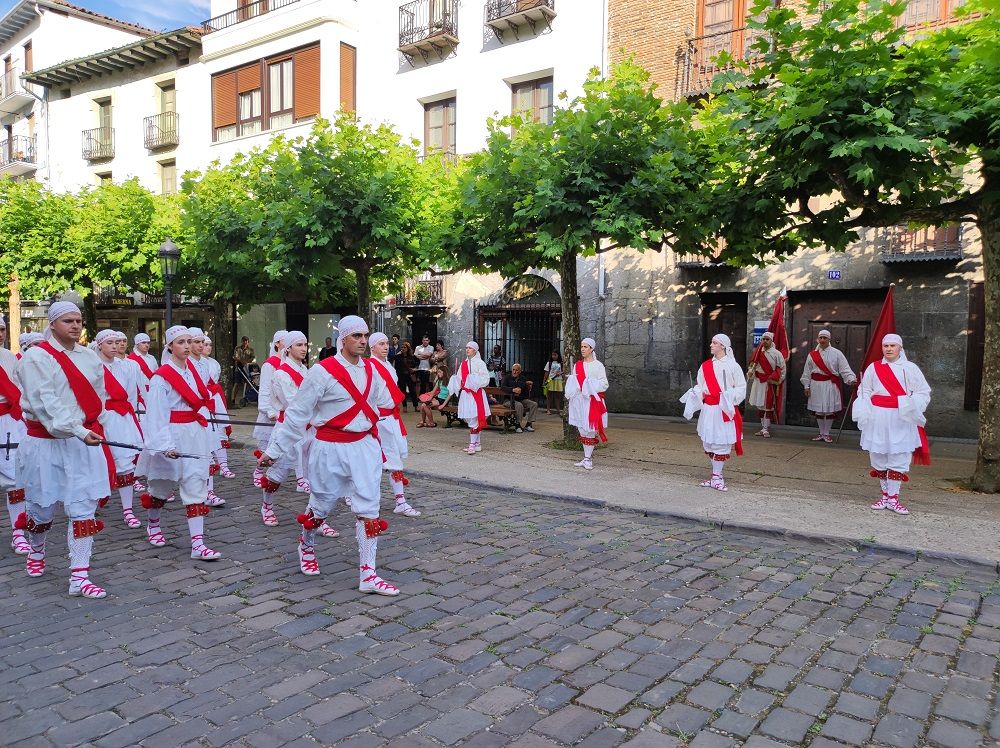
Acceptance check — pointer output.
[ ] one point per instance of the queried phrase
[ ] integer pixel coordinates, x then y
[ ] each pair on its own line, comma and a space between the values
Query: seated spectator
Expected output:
436, 398
516, 388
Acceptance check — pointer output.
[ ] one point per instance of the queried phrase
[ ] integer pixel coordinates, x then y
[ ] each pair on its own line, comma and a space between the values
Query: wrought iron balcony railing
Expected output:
701, 65
428, 26
903, 244
422, 293
18, 150
244, 13
161, 130
512, 15
99, 143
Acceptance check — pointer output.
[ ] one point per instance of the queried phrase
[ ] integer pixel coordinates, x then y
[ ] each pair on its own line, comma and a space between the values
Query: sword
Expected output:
8, 446
230, 422
122, 445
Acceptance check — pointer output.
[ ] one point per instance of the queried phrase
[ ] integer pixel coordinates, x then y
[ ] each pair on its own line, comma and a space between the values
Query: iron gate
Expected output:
527, 334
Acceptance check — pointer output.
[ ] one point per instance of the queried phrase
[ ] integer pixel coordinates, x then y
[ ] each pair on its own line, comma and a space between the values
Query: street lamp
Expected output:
169, 254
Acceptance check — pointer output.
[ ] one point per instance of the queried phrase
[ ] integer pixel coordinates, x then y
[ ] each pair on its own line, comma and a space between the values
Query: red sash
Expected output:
597, 406
477, 395
12, 395
86, 397
296, 380
714, 397
826, 376
274, 361
769, 372
333, 430
117, 401
147, 372
394, 392
194, 401
885, 374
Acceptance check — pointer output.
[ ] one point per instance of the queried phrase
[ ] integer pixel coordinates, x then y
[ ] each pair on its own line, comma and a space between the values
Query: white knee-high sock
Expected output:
717, 468
367, 550
222, 457
196, 528
126, 493
765, 423
588, 451
14, 511
397, 487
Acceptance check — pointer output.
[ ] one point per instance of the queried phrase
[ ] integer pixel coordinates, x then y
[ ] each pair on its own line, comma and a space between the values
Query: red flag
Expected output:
777, 327
885, 325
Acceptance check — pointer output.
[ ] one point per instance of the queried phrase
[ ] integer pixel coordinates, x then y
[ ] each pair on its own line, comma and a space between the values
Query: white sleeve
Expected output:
156, 424
41, 399
282, 391
807, 371
301, 409
736, 386
264, 391
919, 389
844, 370
572, 387
479, 376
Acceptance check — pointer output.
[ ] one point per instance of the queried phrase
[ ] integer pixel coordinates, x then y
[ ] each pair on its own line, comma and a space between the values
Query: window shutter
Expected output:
248, 78
307, 85
224, 102
29, 58
348, 77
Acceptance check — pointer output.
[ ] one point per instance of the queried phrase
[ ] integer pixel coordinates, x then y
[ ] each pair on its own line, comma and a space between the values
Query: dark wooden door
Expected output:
726, 314
850, 318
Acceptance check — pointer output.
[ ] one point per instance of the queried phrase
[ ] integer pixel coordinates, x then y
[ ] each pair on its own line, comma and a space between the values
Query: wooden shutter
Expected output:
348, 77
224, 101
306, 97
248, 78
29, 58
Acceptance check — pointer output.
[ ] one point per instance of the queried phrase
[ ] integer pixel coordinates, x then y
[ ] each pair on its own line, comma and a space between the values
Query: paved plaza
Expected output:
523, 621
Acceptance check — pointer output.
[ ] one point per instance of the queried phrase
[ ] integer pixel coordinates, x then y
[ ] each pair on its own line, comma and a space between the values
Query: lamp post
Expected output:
169, 254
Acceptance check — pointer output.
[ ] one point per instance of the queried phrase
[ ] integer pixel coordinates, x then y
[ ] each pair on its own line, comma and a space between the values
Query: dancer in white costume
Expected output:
221, 411
341, 395
766, 376
473, 407
391, 429
823, 376
215, 431
892, 399
263, 433
59, 460
12, 429
585, 388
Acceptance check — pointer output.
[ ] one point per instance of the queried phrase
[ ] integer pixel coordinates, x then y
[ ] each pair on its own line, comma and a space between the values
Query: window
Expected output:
103, 177
29, 59
348, 77
281, 84
104, 113
928, 11
266, 95
168, 177
439, 126
535, 98
168, 97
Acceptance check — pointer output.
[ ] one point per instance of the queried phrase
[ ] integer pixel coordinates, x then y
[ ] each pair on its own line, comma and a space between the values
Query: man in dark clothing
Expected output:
327, 349
516, 388
393, 349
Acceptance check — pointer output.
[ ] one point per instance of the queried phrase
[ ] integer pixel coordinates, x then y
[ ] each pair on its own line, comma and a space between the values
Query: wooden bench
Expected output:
507, 417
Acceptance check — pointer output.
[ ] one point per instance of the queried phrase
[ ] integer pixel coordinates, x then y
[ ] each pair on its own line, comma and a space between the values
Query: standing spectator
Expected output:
440, 355
496, 364
516, 388
393, 349
327, 349
406, 368
243, 356
423, 352
553, 384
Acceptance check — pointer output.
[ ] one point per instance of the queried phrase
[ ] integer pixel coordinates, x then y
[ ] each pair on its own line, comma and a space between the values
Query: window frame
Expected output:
536, 90
288, 110
449, 126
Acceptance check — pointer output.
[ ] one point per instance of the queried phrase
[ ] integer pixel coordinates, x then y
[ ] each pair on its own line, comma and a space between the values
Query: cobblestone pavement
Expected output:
523, 621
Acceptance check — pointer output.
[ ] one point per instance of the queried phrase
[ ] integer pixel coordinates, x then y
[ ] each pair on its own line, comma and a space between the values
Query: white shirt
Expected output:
283, 387
424, 350
163, 399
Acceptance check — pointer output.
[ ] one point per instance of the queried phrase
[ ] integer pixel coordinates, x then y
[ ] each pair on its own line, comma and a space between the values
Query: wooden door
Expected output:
726, 314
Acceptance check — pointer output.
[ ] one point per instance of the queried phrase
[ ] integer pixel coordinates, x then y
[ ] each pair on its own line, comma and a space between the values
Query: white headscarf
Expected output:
349, 325
57, 310
769, 335
473, 345
894, 338
175, 332
375, 338
591, 343
726, 342
141, 338
821, 333
290, 338
276, 338
3, 322
105, 335
196, 333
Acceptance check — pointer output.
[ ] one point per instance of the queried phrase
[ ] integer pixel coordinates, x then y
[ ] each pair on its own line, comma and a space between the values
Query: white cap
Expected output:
349, 325
196, 333
278, 335
473, 345
175, 332
376, 338
141, 338
105, 335
590, 342
821, 333
61, 309
767, 334
892, 338
292, 337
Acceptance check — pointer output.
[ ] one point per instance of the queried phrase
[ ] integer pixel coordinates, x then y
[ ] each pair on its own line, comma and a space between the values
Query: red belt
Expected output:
394, 412
123, 408
332, 434
37, 430
6, 408
885, 401
822, 377
711, 399
188, 416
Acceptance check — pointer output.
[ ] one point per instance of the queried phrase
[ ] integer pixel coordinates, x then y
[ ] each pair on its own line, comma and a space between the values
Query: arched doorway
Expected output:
525, 319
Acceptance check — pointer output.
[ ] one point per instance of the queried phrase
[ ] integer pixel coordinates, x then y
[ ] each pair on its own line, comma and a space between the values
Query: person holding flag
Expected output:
767, 378
823, 377
892, 399
585, 388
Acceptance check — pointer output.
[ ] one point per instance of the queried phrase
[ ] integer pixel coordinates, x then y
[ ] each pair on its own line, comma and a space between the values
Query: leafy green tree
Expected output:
615, 168
879, 126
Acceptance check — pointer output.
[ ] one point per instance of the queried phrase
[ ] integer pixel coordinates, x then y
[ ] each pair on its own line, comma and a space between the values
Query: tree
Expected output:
615, 168
887, 126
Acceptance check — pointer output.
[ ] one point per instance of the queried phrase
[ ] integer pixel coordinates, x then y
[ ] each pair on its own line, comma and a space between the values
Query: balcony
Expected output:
710, 259
13, 95
700, 64
928, 244
422, 293
18, 156
514, 15
161, 130
428, 27
245, 12
99, 143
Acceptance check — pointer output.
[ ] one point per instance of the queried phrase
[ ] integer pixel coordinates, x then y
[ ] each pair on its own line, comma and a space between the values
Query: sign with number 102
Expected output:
833, 275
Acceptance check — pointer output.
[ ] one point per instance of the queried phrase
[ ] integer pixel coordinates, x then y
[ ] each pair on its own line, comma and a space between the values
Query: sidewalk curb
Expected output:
860, 543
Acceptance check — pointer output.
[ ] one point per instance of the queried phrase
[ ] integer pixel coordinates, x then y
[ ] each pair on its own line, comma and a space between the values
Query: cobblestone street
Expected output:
522, 621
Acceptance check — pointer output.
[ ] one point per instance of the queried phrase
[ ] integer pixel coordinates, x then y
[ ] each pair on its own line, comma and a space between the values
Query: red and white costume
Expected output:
12, 431
262, 433
585, 388
392, 431
825, 373
121, 422
765, 384
63, 403
176, 420
214, 369
215, 432
473, 406
146, 364
892, 399
341, 399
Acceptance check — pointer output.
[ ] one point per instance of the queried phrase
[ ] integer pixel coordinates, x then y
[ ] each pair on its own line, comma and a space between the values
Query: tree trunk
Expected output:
363, 274
987, 475
223, 341
90, 310
570, 328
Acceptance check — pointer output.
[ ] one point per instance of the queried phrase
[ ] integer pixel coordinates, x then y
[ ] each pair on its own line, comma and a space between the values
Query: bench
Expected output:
500, 415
